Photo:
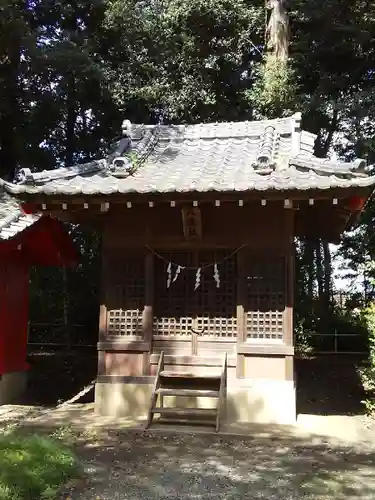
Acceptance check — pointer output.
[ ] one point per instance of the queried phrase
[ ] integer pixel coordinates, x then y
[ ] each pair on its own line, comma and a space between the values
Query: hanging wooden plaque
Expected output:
192, 223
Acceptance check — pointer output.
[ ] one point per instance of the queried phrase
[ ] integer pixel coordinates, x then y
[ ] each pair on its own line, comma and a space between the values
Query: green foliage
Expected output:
273, 94
367, 373
71, 71
34, 467
189, 59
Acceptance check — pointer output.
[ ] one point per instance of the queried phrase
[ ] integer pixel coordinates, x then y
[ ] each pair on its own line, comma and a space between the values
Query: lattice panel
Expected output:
128, 287
174, 306
209, 309
217, 307
265, 298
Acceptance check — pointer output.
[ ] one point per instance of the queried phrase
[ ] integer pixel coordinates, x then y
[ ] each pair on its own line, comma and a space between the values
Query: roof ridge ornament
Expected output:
24, 176
264, 157
126, 164
126, 128
296, 132
324, 166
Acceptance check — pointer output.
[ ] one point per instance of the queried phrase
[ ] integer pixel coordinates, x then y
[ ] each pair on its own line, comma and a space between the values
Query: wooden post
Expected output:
289, 277
103, 296
148, 315
102, 311
241, 300
289, 291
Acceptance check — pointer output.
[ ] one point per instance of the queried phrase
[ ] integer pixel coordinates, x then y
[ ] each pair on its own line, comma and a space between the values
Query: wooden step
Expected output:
184, 383
188, 375
206, 412
185, 421
203, 393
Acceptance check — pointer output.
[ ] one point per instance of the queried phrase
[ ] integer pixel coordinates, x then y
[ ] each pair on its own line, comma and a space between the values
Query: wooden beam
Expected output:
125, 379
210, 197
289, 368
265, 349
103, 296
212, 361
241, 301
288, 203
289, 277
123, 345
148, 311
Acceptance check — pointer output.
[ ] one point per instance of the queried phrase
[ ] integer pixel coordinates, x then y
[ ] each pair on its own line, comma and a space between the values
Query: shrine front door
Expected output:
195, 302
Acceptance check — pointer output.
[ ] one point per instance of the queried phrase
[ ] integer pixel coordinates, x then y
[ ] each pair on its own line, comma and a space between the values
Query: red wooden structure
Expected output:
25, 240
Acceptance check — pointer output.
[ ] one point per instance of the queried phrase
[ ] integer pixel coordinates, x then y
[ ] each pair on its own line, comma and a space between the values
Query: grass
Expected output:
34, 467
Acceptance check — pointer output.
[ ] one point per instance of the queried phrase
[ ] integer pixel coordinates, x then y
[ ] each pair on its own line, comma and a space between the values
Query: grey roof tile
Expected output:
12, 218
245, 156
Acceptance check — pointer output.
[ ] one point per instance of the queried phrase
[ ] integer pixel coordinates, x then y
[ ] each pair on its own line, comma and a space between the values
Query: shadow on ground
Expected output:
329, 385
137, 465
56, 376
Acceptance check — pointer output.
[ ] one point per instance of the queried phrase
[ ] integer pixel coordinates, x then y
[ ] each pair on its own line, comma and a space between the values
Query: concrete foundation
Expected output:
12, 386
253, 401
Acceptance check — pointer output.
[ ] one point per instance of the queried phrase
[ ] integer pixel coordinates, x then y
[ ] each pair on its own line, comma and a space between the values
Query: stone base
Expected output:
254, 401
12, 386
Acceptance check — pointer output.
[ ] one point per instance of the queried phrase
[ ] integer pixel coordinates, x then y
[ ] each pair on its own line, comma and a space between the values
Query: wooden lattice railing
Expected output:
211, 310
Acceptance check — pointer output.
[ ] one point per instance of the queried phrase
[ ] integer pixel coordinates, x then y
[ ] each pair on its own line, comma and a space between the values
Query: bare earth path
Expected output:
273, 463
134, 465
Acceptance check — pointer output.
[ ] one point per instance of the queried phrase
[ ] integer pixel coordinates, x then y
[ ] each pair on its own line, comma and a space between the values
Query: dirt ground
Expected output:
137, 465
134, 465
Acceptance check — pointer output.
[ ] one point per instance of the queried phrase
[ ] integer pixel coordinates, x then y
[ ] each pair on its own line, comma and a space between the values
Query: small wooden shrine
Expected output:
25, 240
198, 226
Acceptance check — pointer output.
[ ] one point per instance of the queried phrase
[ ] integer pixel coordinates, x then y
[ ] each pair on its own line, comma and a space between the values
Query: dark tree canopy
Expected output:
71, 71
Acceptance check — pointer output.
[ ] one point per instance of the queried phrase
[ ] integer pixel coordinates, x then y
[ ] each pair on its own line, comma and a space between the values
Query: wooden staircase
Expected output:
184, 384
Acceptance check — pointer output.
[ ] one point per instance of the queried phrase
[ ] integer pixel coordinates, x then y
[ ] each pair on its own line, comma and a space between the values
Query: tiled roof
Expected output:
12, 219
244, 156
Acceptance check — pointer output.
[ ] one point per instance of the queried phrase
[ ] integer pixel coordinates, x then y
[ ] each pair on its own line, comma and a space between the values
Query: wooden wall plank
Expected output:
289, 277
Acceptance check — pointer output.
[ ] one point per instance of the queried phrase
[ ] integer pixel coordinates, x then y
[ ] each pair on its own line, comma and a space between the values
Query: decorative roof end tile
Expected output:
265, 154
24, 176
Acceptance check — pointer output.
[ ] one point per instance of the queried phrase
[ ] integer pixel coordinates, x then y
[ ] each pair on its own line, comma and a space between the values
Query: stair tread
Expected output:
180, 419
189, 375
185, 411
188, 392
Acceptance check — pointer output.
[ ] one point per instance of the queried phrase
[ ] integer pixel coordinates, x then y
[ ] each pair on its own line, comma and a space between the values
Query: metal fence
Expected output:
337, 343
59, 336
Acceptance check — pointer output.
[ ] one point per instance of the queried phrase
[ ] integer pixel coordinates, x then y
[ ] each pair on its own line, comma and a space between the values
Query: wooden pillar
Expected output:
102, 309
289, 291
289, 277
241, 300
148, 314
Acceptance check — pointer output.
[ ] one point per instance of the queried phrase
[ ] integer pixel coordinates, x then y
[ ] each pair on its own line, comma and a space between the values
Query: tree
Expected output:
187, 61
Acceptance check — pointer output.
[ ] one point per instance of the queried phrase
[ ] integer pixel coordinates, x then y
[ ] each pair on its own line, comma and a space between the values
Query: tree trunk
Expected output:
309, 259
319, 270
10, 111
327, 275
71, 119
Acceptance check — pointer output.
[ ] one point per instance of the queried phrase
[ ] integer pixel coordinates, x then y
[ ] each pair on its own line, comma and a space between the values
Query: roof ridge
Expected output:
241, 125
25, 175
